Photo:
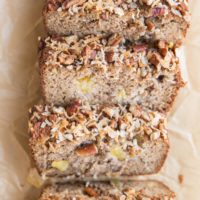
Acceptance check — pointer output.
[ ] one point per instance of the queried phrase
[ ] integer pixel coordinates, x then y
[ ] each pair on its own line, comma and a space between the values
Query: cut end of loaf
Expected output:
81, 141
149, 190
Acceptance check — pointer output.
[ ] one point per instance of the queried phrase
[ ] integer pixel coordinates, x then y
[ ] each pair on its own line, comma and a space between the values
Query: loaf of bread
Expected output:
134, 190
83, 142
160, 19
109, 70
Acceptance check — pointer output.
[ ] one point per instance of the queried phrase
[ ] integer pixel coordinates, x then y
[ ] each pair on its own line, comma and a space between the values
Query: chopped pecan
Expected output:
90, 192
108, 112
52, 118
140, 47
150, 25
86, 51
89, 52
87, 150
163, 48
50, 7
154, 59
135, 110
66, 59
115, 40
110, 56
105, 16
183, 8
73, 107
163, 52
162, 44
39, 131
92, 124
68, 3
158, 11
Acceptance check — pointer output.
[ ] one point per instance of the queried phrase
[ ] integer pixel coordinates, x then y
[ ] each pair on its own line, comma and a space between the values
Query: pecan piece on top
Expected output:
154, 59
65, 58
115, 40
109, 56
73, 107
140, 48
158, 11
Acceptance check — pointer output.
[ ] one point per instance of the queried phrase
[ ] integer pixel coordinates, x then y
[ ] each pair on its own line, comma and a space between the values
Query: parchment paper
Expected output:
21, 24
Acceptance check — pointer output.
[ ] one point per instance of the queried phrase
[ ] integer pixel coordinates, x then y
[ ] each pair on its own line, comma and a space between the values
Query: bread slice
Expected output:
97, 142
143, 190
161, 19
109, 70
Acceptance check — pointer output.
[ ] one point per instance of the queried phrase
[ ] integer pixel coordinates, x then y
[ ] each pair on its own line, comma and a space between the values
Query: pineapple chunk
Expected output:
85, 84
171, 45
61, 165
117, 152
34, 178
121, 94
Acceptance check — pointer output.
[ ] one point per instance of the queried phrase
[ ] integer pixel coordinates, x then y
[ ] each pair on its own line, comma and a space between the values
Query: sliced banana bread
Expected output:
141, 190
115, 70
160, 19
81, 141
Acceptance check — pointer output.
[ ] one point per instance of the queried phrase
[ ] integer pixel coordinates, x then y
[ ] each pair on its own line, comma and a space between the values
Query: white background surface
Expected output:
20, 25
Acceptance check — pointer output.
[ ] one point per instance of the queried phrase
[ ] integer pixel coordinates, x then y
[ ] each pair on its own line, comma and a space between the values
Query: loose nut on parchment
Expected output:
87, 150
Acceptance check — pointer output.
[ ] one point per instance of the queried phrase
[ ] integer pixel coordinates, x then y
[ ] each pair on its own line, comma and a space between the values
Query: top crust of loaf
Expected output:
107, 53
150, 190
113, 122
119, 8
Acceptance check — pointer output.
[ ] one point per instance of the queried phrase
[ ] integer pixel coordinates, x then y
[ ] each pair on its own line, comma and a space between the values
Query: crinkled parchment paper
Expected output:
20, 26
